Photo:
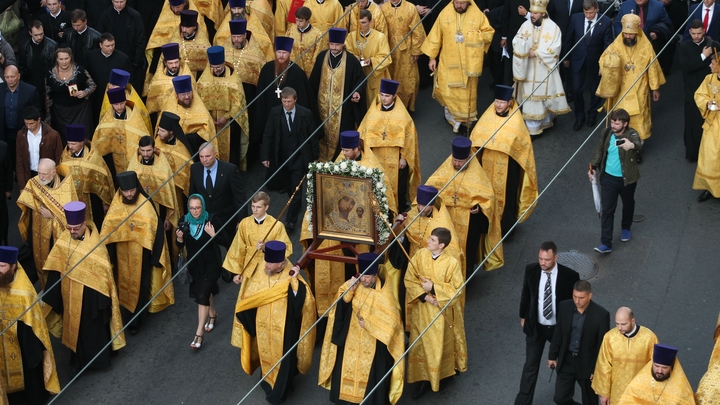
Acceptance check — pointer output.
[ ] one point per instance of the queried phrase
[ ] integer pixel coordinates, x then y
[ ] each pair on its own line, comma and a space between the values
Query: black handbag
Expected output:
183, 274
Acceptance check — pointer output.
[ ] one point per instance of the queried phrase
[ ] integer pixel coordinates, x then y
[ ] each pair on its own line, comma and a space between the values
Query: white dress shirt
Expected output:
541, 297
34, 148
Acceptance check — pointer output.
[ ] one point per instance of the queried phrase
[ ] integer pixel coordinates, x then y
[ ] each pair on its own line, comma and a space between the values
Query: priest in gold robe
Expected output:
390, 132
508, 158
193, 42
463, 34
308, 40
221, 90
83, 308
470, 200
432, 281
245, 258
708, 390
402, 18
371, 47
365, 325
195, 119
89, 171
237, 11
337, 76
623, 67
121, 78
117, 135
661, 382
353, 12
137, 246
172, 142
325, 15
623, 353
160, 88
277, 309
27, 371
707, 176
41, 205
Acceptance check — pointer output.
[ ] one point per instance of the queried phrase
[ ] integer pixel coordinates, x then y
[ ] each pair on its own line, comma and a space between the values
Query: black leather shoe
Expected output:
579, 124
421, 389
704, 196
592, 122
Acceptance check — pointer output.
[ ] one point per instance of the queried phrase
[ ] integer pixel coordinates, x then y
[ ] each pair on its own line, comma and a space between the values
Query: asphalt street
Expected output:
667, 273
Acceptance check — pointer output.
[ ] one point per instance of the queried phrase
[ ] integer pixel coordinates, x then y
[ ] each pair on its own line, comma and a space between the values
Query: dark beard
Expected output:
461, 11
538, 22
660, 380
630, 42
280, 67
239, 16
7, 278
133, 200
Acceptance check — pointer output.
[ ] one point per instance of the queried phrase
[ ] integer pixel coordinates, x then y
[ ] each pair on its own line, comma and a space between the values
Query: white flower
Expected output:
383, 189
309, 175
355, 163
343, 165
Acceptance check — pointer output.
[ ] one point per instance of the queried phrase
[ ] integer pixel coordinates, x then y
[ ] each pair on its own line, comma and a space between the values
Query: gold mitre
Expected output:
538, 6
630, 24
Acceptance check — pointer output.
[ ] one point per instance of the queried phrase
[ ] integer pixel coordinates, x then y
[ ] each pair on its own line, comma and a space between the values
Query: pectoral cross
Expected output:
278, 91
132, 226
147, 189
384, 135
120, 138
455, 198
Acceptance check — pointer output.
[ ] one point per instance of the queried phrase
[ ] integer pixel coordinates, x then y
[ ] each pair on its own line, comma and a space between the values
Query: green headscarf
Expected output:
199, 222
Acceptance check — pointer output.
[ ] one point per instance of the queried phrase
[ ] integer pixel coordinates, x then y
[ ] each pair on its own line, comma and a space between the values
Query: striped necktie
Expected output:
547, 299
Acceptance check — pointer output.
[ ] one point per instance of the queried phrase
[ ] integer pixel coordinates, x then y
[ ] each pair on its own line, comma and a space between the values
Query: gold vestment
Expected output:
352, 17
644, 390
331, 92
707, 173
375, 49
708, 390
325, 15
255, 27
313, 41
196, 119
160, 88
158, 176
249, 60
134, 100
90, 176
119, 137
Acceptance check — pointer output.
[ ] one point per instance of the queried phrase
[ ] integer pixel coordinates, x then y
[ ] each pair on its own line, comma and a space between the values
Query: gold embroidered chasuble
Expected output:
325, 15
470, 188
168, 24
707, 173
269, 294
374, 47
249, 60
177, 155
261, 10
94, 272
352, 17
160, 88
119, 137
158, 175
379, 310
619, 360
130, 238
258, 35
443, 348
16, 298
193, 51
212, 9
196, 119
644, 390
708, 390
312, 39
511, 140
330, 97
400, 21
225, 97
633, 61
241, 257
90, 176
456, 77
133, 99
45, 232
391, 135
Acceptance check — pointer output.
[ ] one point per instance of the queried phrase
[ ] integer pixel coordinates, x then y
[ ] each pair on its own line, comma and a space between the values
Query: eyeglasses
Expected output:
194, 208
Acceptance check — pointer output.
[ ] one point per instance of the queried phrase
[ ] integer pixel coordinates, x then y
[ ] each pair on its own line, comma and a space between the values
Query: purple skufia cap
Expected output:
664, 354
8, 254
284, 44
425, 194
188, 18
119, 77
238, 27
74, 212
337, 35
175, 3
274, 251
388, 86
503, 92
182, 84
171, 51
349, 139
461, 147
75, 132
365, 261
237, 3
216, 55
116, 95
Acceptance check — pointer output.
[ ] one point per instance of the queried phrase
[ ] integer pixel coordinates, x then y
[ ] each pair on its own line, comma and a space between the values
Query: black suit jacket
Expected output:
27, 96
276, 129
563, 289
512, 20
596, 324
693, 67
557, 10
228, 191
590, 47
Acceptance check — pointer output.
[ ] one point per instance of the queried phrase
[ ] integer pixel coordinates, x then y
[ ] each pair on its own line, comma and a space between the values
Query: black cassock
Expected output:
31, 350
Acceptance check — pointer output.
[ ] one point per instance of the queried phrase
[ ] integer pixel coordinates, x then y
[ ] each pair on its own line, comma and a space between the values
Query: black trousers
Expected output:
290, 176
533, 357
610, 188
565, 384
693, 131
588, 74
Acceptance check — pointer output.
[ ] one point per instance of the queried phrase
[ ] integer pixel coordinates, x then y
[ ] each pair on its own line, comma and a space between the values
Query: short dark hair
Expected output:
106, 36
304, 13
31, 113
695, 24
583, 286
588, 4
78, 15
146, 140
288, 92
549, 245
620, 115
365, 13
443, 235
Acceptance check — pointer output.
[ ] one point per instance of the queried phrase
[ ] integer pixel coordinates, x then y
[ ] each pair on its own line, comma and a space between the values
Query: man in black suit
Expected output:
709, 17
546, 283
99, 63
585, 57
56, 21
128, 28
515, 13
81, 39
21, 95
220, 184
560, 12
581, 326
287, 129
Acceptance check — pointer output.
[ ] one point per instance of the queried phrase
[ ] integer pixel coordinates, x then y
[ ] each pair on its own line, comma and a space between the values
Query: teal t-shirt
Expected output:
612, 163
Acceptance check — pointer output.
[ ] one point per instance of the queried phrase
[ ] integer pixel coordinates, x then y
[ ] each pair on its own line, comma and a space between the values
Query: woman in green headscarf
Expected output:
205, 265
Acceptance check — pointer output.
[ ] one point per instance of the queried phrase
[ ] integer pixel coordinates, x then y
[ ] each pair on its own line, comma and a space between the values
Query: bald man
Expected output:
220, 184
20, 95
624, 351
